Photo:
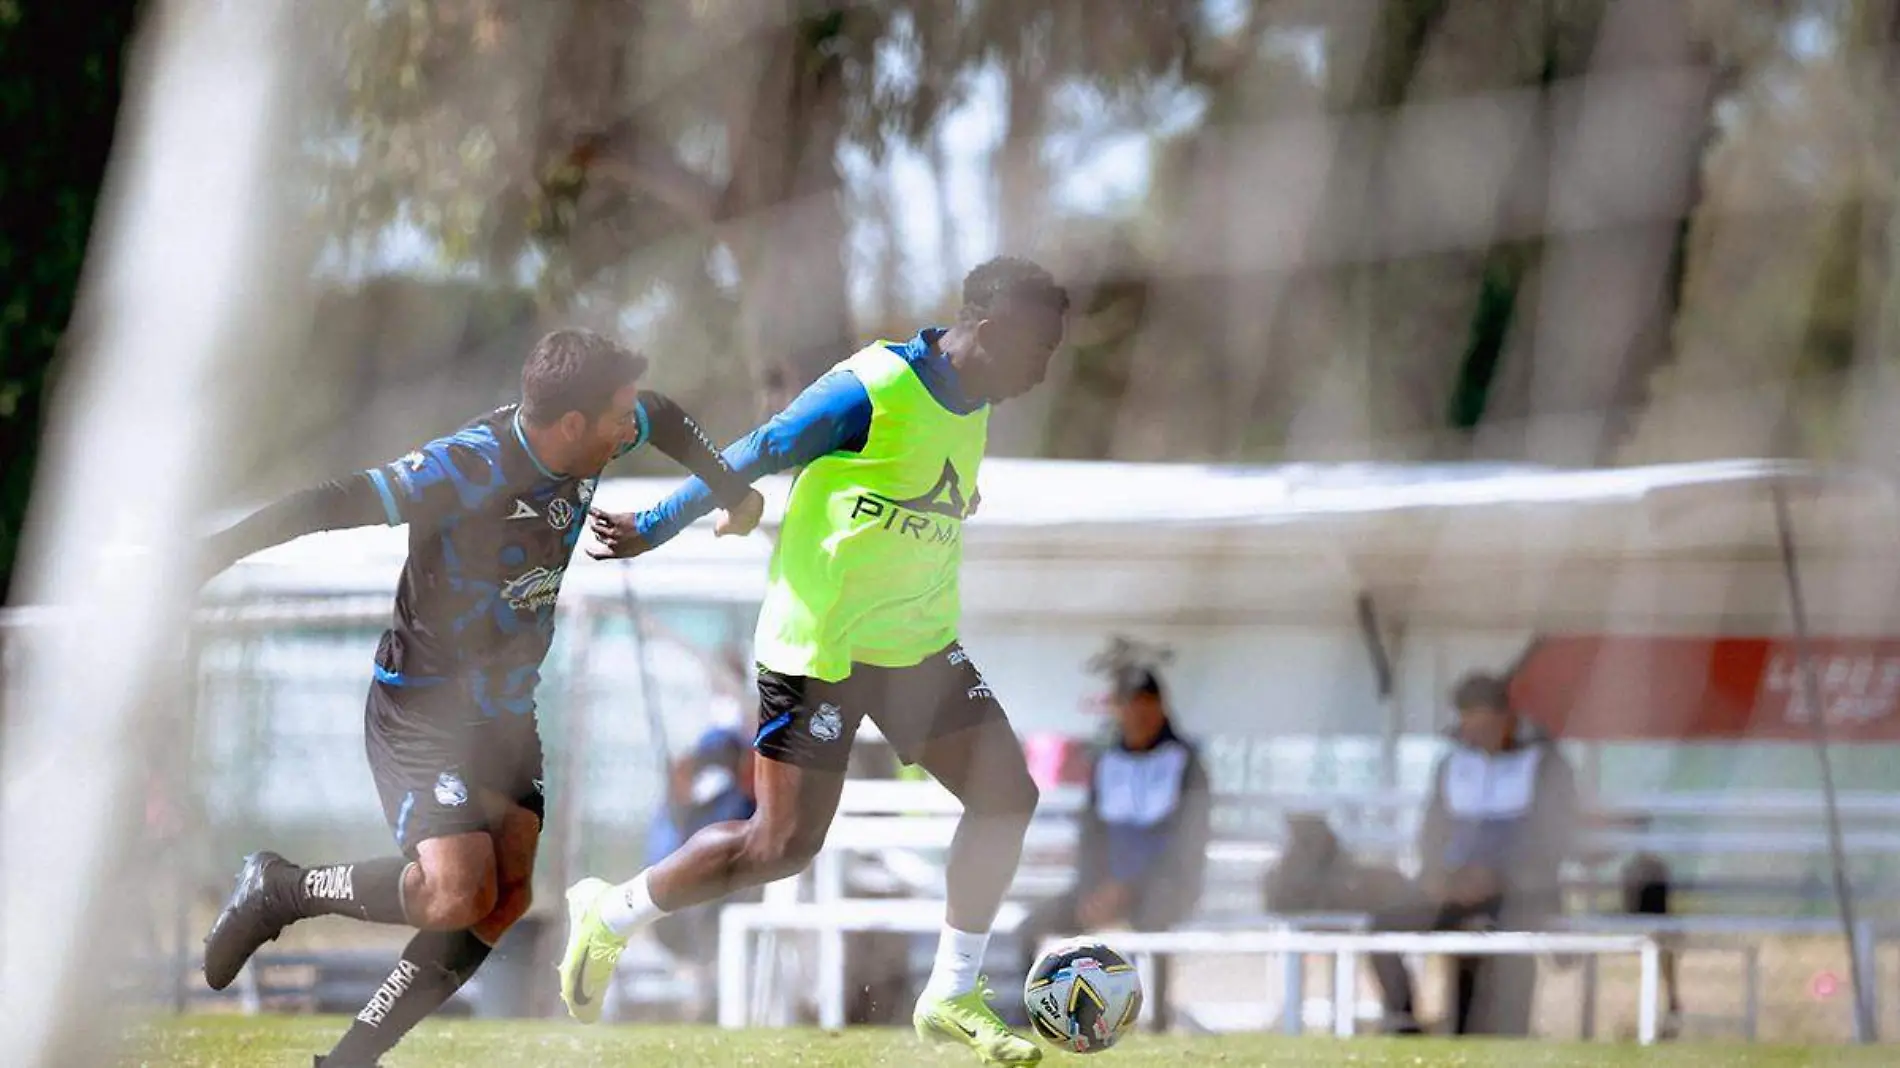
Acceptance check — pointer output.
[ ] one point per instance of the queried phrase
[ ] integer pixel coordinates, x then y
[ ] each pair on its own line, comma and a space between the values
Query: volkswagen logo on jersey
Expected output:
827, 723
560, 513
534, 589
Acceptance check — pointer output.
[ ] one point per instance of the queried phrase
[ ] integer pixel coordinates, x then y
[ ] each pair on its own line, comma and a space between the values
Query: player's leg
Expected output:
803, 745
436, 964
943, 716
474, 839
272, 893
423, 796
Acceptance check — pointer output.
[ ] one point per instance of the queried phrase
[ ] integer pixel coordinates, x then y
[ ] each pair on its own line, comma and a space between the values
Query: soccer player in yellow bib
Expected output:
860, 619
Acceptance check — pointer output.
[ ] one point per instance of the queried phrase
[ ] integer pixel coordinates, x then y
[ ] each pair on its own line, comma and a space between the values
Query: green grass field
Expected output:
208, 1041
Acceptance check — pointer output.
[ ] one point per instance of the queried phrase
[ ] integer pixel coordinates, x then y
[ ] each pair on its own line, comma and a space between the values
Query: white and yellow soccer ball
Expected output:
1082, 997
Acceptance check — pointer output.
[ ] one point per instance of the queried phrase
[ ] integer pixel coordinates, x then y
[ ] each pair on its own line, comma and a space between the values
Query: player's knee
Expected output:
456, 900
511, 904
783, 848
1007, 792
1026, 796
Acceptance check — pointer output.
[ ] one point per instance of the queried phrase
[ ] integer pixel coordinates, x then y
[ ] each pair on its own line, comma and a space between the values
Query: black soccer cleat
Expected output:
325, 1062
255, 914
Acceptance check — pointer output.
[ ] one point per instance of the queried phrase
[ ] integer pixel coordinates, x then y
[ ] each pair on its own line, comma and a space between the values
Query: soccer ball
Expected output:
1082, 997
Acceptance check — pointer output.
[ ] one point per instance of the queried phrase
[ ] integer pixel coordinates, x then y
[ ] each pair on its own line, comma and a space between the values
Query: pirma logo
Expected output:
934, 516
450, 790
827, 723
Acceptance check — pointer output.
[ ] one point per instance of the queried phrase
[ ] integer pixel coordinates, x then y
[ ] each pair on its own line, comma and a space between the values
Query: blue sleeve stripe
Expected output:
397, 678
402, 819
389, 499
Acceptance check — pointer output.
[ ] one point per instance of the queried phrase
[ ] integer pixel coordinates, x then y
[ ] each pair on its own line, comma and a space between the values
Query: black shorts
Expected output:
810, 723
434, 758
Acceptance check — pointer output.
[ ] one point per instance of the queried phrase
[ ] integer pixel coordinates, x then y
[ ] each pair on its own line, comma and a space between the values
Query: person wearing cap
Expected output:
1501, 821
1144, 831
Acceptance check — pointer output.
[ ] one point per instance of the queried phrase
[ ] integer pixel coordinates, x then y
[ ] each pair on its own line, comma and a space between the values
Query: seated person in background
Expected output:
1316, 874
1143, 848
1645, 880
1501, 822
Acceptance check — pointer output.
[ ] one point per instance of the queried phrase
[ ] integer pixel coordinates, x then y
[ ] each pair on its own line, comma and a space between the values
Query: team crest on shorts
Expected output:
450, 790
827, 723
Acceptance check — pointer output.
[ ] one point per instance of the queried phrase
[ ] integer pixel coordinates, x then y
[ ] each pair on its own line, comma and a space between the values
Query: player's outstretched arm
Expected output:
678, 435
336, 505
420, 488
832, 415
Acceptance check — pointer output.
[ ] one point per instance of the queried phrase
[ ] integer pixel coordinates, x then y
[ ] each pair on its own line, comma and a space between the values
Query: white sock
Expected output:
628, 907
959, 958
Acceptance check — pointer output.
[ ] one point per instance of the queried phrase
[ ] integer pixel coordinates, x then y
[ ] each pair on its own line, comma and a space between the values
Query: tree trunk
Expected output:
1874, 390
1625, 165
1022, 180
1352, 223
786, 226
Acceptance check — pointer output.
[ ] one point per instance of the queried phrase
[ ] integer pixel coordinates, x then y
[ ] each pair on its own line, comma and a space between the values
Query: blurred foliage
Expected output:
1570, 231
1682, 204
61, 75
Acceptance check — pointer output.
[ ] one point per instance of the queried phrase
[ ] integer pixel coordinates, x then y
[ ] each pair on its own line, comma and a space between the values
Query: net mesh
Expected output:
1579, 233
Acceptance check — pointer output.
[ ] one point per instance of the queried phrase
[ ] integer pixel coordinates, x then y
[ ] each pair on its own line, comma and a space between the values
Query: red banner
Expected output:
1616, 688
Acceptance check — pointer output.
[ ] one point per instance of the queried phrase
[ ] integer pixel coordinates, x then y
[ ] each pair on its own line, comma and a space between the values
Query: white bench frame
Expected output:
739, 923
1742, 935
879, 816
1347, 947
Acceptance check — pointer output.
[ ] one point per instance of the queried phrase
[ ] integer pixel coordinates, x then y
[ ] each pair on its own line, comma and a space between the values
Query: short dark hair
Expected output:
1137, 681
1009, 277
575, 371
1481, 690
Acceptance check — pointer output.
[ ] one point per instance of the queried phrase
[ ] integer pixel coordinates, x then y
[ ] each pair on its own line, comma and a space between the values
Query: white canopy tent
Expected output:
1686, 547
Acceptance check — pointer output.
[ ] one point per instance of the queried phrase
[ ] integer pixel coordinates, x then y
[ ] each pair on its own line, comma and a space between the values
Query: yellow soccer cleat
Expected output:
968, 1020
592, 951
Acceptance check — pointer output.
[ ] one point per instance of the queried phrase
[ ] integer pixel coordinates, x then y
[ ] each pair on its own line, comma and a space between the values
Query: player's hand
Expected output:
742, 520
619, 535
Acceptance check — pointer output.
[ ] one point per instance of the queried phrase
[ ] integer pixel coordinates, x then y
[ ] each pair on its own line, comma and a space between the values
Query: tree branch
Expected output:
638, 162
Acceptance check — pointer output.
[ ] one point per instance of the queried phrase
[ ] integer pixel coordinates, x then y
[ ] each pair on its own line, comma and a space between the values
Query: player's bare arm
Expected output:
832, 414
677, 434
